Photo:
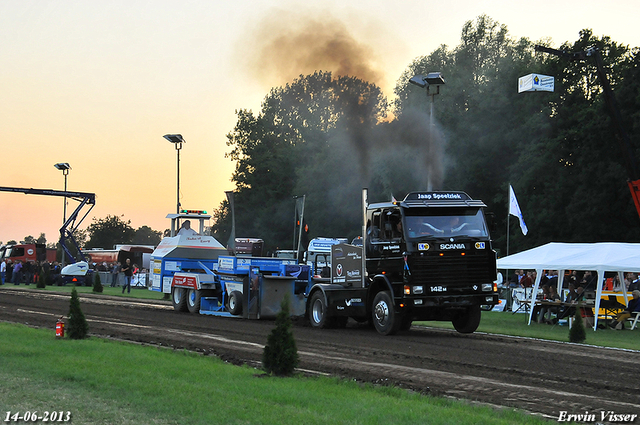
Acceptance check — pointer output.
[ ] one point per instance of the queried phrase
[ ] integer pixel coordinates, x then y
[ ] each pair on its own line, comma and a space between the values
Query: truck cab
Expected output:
318, 255
434, 249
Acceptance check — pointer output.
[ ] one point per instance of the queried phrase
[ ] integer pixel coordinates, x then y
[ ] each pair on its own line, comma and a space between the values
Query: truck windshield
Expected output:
420, 223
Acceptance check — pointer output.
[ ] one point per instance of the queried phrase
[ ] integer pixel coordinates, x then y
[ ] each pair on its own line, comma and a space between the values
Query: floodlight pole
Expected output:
64, 167
436, 80
177, 140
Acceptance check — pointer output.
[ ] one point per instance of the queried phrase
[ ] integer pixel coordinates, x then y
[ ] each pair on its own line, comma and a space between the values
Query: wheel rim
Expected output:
232, 302
192, 297
317, 311
381, 312
177, 292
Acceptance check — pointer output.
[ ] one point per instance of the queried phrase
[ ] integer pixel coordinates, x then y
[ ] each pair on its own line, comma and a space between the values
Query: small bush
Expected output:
41, 281
280, 355
97, 284
78, 327
577, 332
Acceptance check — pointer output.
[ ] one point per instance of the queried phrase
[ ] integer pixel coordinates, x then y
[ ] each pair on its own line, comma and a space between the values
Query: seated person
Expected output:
186, 229
397, 230
535, 315
633, 307
572, 297
547, 310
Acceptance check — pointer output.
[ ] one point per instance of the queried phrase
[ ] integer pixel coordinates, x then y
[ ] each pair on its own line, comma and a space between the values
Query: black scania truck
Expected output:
428, 257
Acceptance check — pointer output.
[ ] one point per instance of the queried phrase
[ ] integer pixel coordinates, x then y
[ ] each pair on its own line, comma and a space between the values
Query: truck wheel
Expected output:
179, 299
235, 303
193, 300
318, 310
383, 314
468, 321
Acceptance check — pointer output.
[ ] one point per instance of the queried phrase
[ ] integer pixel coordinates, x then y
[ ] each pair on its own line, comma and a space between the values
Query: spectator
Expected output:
547, 310
535, 315
632, 307
17, 273
115, 273
572, 297
635, 283
9, 276
587, 281
514, 282
3, 272
127, 269
27, 270
527, 281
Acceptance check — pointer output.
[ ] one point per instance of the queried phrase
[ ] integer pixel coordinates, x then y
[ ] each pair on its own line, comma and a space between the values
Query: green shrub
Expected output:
280, 355
97, 284
42, 279
577, 332
78, 327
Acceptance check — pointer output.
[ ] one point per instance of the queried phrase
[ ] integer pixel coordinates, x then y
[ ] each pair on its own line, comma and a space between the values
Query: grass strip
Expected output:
505, 323
101, 381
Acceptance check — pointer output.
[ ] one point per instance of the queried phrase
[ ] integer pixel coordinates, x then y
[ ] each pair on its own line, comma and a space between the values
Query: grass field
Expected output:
103, 382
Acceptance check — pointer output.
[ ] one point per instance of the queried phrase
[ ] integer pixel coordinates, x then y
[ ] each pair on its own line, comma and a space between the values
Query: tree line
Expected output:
328, 136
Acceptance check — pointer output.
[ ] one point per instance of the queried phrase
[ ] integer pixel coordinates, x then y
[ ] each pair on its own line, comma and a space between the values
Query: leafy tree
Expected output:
325, 137
78, 326
147, 236
31, 240
301, 129
554, 148
107, 232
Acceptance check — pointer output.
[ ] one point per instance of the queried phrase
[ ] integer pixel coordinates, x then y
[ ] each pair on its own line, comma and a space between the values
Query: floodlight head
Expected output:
419, 81
62, 166
174, 138
434, 79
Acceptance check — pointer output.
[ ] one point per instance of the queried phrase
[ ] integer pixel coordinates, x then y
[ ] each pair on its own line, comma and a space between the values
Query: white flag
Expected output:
514, 209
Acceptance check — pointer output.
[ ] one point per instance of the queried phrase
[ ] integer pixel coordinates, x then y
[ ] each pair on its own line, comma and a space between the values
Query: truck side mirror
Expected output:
491, 221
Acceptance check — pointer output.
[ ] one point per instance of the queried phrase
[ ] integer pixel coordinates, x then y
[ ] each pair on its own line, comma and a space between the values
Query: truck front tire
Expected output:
179, 299
468, 322
383, 314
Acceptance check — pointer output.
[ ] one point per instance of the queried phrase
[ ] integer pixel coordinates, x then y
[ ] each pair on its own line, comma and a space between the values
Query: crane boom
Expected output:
72, 223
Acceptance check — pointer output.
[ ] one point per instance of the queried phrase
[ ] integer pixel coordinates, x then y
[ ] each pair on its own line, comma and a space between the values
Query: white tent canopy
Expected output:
602, 257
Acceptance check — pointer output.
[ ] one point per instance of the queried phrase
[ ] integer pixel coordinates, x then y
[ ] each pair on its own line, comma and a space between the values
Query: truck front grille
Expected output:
452, 269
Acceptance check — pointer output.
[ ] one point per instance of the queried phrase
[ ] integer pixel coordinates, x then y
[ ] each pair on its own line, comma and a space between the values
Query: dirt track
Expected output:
536, 376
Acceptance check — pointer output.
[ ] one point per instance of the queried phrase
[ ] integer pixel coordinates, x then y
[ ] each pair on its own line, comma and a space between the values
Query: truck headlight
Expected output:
418, 289
487, 286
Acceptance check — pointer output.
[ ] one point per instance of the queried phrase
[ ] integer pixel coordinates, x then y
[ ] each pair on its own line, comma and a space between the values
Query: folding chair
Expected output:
611, 306
635, 321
